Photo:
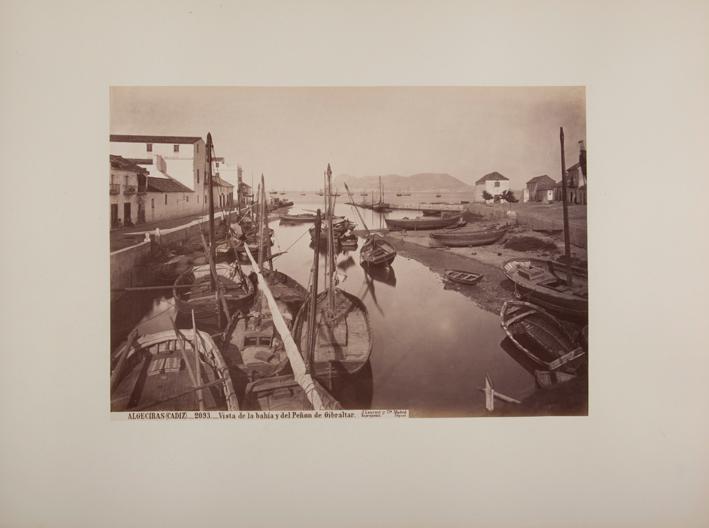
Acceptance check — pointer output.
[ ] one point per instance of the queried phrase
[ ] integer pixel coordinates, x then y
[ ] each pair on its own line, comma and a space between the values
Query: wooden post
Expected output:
567, 243
313, 296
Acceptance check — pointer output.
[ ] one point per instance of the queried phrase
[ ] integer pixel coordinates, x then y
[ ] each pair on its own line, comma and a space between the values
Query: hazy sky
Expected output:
290, 134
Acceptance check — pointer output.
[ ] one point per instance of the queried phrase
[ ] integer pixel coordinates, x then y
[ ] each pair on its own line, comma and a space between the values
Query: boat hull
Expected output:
539, 282
541, 337
420, 224
469, 238
343, 344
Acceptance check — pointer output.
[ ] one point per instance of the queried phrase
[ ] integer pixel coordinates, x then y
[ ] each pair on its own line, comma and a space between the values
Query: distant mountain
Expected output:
425, 181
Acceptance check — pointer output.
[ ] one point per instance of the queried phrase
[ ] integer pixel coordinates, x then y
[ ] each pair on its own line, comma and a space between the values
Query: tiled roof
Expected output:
491, 176
216, 180
166, 185
175, 140
121, 163
544, 178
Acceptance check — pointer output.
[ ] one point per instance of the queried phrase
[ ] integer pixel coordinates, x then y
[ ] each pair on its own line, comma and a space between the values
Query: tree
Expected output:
487, 195
509, 196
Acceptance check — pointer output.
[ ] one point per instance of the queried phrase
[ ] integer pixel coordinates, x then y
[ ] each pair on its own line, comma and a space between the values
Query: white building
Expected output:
494, 183
175, 168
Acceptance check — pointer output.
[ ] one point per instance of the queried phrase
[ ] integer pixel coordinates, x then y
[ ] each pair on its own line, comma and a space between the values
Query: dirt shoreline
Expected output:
494, 289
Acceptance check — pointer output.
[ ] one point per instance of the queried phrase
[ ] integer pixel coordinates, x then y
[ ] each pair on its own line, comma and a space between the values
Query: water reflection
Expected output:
432, 347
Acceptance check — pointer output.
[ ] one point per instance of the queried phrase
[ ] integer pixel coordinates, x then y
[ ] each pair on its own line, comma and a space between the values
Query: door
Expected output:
114, 215
126, 214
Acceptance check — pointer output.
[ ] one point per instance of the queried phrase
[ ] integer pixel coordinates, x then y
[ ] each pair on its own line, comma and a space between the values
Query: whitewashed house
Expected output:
494, 183
175, 168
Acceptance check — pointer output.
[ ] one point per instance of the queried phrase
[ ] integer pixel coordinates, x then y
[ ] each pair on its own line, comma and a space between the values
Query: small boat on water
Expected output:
546, 284
469, 236
376, 251
422, 223
175, 370
193, 289
297, 218
332, 328
541, 337
431, 212
463, 277
254, 346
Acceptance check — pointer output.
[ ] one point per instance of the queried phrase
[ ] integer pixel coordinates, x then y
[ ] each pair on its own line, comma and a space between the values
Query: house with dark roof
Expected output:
128, 185
539, 189
576, 180
493, 183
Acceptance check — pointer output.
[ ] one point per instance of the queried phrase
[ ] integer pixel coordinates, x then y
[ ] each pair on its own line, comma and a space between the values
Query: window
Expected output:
176, 148
166, 199
149, 147
187, 199
497, 184
152, 203
217, 164
197, 175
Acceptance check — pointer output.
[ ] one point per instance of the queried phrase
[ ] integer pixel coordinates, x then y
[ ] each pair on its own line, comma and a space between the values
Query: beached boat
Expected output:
469, 237
236, 287
421, 223
297, 218
541, 337
463, 277
376, 251
175, 370
546, 284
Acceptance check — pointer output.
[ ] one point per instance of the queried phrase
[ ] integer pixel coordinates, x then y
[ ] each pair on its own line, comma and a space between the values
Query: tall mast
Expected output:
326, 211
330, 249
567, 243
212, 243
310, 351
261, 222
357, 210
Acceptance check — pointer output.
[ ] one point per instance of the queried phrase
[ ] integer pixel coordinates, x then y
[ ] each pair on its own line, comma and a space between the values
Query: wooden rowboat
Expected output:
422, 223
541, 337
463, 277
176, 370
376, 251
469, 237
541, 282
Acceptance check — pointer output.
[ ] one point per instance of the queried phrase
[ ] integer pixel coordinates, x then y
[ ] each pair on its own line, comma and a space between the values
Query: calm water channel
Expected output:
432, 346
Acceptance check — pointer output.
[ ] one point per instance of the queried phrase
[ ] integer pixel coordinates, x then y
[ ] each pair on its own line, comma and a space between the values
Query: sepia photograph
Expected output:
417, 251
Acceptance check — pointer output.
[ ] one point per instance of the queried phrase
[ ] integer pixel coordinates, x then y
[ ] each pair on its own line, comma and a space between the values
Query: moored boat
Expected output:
541, 337
297, 218
193, 289
463, 277
376, 251
469, 237
177, 370
545, 284
421, 223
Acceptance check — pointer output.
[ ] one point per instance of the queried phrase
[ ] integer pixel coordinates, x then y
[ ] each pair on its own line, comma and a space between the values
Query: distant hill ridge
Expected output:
424, 181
